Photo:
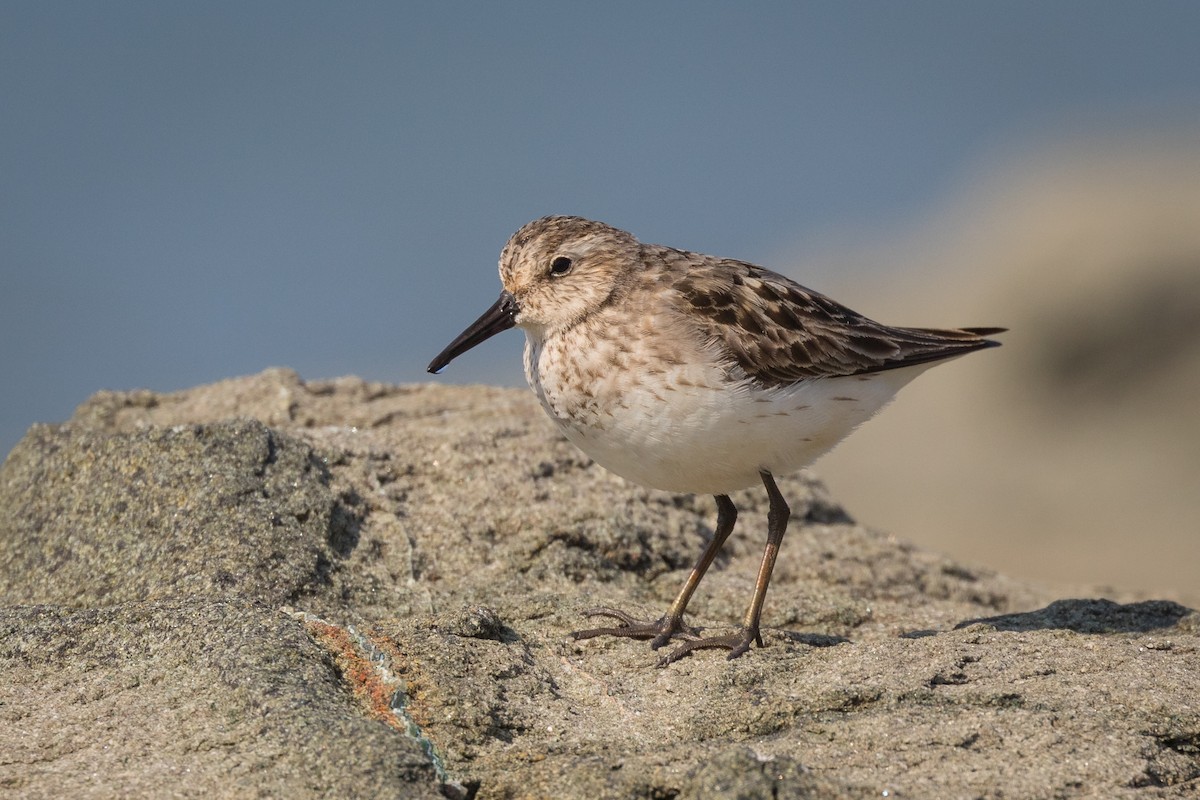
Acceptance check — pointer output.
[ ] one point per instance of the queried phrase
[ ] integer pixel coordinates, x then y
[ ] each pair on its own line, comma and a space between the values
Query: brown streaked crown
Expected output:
600, 258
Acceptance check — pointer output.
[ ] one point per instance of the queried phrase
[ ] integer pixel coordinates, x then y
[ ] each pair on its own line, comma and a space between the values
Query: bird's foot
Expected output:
736, 643
660, 631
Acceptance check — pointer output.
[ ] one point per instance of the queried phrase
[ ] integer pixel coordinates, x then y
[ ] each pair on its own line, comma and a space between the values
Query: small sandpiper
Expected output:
691, 373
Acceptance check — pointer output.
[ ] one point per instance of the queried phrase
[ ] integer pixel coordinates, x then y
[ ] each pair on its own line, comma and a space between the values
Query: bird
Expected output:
696, 374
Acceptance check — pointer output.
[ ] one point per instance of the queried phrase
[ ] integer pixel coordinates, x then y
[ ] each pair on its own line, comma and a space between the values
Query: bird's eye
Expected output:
560, 266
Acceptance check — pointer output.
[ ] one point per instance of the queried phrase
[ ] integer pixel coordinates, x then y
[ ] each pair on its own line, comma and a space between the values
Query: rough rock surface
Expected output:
272, 588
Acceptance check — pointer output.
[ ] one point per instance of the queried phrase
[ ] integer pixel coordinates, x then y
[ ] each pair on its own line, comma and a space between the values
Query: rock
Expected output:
227, 509
196, 698
340, 588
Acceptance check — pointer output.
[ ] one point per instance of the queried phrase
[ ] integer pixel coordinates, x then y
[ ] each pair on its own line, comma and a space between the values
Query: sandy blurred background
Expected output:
197, 191
1073, 452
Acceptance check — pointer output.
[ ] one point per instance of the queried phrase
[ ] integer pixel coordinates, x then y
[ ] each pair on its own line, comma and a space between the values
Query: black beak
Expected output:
500, 317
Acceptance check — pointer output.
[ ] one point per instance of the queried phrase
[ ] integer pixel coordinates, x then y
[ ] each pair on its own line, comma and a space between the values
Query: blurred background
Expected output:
197, 191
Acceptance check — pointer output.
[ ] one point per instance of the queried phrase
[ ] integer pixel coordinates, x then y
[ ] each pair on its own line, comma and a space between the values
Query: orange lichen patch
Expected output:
384, 644
417, 704
367, 685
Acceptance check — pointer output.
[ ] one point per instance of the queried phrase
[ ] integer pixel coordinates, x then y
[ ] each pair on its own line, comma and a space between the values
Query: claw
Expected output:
661, 630
738, 644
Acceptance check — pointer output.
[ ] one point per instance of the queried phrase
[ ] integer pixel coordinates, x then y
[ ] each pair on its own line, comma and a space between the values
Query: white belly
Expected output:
688, 430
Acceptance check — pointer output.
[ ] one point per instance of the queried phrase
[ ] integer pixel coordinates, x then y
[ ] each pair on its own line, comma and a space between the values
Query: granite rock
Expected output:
271, 587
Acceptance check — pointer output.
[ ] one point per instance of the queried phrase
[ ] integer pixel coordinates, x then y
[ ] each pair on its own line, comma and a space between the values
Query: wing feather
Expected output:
779, 332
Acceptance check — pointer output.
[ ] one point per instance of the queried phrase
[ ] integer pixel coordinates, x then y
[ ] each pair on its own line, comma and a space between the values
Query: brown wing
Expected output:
779, 332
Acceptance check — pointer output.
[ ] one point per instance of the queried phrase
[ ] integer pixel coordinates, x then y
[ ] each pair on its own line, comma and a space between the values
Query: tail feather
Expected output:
935, 344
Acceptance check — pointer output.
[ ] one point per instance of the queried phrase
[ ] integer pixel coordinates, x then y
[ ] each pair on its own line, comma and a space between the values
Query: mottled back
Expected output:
779, 332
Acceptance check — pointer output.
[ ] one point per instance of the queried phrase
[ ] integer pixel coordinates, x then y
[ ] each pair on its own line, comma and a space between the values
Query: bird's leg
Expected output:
738, 643
671, 624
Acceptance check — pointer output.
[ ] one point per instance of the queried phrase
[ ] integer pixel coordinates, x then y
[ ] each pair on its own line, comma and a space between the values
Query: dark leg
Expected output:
738, 643
672, 623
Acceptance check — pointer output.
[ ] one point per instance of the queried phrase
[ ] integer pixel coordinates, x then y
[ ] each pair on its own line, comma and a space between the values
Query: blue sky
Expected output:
194, 191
